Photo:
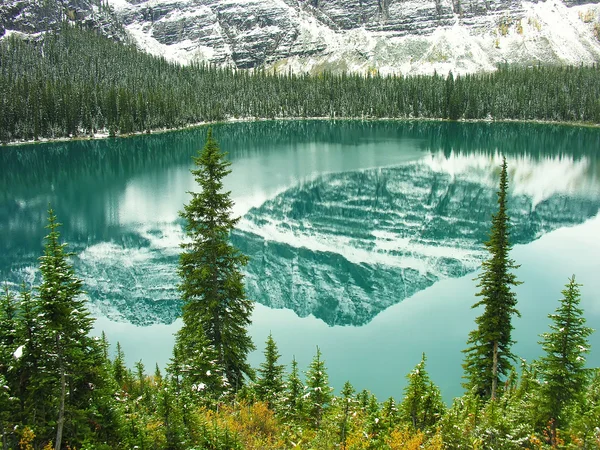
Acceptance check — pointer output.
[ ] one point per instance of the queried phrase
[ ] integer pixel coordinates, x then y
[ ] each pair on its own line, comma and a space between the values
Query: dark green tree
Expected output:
8, 351
293, 401
347, 404
318, 391
29, 388
194, 364
119, 369
71, 354
422, 406
212, 286
390, 414
488, 355
269, 385
562, 367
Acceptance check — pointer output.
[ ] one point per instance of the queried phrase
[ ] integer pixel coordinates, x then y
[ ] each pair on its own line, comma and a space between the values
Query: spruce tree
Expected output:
195, 365
212, 286
269, 385
293, 401
29, 388
422, 406
488, 355
7, 361
562, 368
347, 400
318, 392
71, 355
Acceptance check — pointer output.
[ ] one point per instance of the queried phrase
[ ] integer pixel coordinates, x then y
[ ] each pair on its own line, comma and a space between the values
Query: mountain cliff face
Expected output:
409, 36
392, 36
34, 16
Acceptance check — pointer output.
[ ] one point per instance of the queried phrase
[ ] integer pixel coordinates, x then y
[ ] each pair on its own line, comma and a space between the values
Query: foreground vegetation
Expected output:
76, 82
60, 389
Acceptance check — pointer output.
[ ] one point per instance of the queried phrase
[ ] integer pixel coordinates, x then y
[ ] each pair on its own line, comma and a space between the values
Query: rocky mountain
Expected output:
392, 36
408, 36
33, 16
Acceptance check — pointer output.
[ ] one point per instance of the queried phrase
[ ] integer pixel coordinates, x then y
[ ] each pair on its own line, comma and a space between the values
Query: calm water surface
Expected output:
364, 237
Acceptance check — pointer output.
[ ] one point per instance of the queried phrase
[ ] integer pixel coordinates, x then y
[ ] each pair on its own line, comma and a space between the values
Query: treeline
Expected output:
76, 82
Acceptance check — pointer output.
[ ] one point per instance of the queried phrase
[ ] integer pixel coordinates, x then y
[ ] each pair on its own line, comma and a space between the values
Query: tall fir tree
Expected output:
71, 355
562, 367
195, 364
488, 355
29, 388
212, 288
347, 402
8, 336
318, 391
422, 406
269, 385
293, 401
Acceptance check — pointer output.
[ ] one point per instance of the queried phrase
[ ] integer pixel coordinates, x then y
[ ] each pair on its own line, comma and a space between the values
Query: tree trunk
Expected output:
63, 387
495, 370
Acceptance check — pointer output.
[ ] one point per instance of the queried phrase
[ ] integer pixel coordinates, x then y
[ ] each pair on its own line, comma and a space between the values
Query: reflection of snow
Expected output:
537, 178
153, 197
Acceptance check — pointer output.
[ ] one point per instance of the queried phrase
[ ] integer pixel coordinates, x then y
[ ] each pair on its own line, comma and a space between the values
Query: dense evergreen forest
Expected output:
75, 82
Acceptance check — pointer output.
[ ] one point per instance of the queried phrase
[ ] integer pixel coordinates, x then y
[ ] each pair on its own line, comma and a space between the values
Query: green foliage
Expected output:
347, 405
562, 367
318, 391
422, 406
293, 400
586, 415
69, 363
75, 82
215, 305
57, 377
488, 355
269, 386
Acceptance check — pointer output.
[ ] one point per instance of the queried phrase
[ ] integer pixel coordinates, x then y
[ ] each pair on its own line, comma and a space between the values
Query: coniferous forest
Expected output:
76, 82
61, 388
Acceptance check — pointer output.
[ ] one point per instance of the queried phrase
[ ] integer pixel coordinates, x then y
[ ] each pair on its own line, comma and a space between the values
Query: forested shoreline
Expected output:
77, 83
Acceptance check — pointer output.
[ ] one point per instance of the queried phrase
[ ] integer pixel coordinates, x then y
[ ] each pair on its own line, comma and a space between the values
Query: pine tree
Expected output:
293, 401
212, 286
71, 354
488, 355
318, 392
269, 386
562, 368
347, 400
8, 337
30, 384
195, 364
119, 369
422, 406
390, 414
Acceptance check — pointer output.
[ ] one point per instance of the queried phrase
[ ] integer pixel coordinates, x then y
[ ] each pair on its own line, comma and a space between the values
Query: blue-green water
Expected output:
364, 237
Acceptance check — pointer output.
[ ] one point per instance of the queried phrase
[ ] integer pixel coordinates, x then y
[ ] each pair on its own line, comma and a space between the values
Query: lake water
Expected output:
364, 237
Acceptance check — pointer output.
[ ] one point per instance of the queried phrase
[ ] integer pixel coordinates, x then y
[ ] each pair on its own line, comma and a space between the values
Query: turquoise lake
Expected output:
364, 237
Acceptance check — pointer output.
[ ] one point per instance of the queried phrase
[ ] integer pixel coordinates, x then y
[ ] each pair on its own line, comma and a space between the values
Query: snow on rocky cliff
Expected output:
390, 36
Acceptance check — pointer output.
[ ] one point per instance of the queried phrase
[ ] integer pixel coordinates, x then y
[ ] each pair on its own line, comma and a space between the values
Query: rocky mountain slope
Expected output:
31, 17
392, 36
361, 35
